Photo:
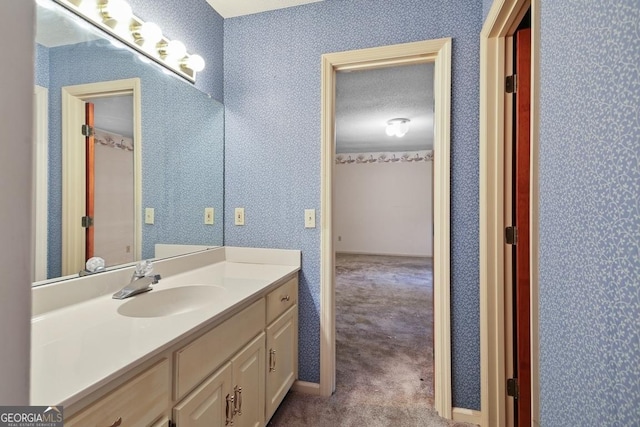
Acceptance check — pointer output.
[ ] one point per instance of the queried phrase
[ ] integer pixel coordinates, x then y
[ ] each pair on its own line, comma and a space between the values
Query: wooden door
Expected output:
90, 179
210, 405
248, 384
522, 184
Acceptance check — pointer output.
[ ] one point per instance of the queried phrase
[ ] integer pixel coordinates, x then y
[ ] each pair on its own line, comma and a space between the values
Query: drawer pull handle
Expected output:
116, 422
272, 360
285, 298
238, 405
229, 410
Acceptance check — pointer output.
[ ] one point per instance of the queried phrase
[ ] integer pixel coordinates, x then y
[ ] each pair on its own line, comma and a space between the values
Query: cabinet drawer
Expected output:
138, 402
279, 300
200, 358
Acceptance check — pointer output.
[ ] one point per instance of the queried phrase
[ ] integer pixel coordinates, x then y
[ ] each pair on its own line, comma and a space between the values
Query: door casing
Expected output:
500, 24
439, 52
41, 183
73, 169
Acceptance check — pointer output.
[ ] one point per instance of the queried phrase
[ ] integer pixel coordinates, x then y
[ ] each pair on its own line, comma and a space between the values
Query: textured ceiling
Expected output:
231, 8
366, 100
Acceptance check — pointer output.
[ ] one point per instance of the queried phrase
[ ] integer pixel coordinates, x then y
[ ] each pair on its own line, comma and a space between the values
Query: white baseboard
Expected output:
467, 416
383, 254
306, 387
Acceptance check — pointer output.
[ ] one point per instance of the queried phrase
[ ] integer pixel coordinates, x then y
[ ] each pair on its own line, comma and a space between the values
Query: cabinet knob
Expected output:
285, 298
117, 422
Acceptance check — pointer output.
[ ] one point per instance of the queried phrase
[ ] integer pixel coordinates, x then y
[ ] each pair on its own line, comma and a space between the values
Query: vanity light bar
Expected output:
145, 37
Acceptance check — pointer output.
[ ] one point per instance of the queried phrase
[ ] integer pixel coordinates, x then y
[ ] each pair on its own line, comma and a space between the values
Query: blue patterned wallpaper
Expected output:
182, 146
486, 7
272, 143
199, 27
590, 213
41, 72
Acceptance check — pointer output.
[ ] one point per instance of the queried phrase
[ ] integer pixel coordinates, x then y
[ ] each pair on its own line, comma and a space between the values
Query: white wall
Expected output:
114, 205
384, 208
16, 87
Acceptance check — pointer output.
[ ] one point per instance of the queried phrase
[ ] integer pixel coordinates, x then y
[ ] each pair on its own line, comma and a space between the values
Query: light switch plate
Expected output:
208, 216
239, 216
309, 218
149, 216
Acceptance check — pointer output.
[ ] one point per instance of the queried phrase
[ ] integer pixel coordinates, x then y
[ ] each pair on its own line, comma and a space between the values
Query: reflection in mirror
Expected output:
165, 158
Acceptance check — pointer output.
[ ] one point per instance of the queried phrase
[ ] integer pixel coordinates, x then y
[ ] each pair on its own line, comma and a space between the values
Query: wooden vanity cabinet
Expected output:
234, 374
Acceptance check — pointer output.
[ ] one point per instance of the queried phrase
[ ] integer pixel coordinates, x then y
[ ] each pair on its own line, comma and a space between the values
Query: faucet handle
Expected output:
143, 268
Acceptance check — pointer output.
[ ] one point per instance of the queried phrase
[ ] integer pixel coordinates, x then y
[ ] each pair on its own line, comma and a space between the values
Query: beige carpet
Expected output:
384, 349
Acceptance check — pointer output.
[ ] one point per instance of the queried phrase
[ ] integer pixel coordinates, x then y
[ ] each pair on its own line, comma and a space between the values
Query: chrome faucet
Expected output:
141, 281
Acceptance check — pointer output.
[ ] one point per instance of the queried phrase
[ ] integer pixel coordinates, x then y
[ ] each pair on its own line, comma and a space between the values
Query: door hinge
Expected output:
511, 235
87, 221
511, 84
87, 130
513, 388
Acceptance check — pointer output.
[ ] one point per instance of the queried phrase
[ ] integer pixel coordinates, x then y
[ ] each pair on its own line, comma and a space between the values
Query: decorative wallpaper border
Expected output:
384, 157
113, 140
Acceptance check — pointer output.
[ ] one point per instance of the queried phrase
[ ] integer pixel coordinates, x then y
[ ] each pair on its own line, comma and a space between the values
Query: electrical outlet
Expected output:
208, 216
309, 218
239, 216
149, 216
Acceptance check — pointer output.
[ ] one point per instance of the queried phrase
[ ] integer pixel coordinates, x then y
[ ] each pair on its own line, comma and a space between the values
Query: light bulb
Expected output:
402, 129
196, 63
150, 33
397, 127
390, 130
118, 10
176, 49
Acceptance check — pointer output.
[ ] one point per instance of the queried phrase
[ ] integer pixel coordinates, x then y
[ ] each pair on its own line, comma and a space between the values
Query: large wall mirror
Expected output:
157, 147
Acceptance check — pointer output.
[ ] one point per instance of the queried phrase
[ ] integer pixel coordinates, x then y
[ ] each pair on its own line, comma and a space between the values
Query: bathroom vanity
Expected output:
214, 343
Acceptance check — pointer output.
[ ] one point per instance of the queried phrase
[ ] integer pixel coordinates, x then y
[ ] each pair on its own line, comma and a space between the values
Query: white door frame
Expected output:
438, 52
73, 166
41, 182
499, 25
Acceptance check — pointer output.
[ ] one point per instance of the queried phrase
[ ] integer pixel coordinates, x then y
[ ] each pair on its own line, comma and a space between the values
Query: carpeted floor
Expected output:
384, 349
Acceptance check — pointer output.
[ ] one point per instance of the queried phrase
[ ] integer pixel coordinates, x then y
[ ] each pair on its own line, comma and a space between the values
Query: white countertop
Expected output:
78, 348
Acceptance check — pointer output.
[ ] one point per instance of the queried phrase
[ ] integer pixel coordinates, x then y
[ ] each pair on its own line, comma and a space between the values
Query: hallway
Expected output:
384, 348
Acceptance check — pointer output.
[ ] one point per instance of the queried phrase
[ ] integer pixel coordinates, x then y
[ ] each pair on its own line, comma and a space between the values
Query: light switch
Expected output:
149, 216
239, 216
208, 216
309, 218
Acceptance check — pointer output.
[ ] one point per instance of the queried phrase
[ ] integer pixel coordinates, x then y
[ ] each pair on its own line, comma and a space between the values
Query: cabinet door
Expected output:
248, 384
282, 358
210, 404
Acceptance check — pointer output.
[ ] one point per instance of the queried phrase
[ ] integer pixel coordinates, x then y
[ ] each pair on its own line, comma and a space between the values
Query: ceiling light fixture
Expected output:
397, 127
116, 18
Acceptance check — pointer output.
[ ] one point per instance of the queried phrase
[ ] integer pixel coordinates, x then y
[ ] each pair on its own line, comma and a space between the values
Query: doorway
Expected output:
383, 224
74, 187
438, 52
114, 209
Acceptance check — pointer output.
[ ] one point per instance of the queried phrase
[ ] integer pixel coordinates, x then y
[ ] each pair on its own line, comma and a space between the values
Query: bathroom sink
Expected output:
171, 302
